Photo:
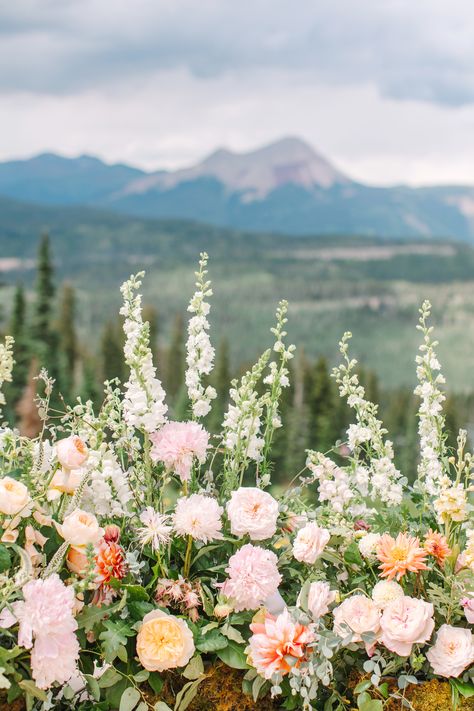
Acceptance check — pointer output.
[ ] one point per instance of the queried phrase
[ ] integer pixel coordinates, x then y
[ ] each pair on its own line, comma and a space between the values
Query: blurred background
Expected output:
320, 152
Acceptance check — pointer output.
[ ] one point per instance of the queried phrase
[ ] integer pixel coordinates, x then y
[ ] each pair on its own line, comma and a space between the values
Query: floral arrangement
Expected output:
134, 547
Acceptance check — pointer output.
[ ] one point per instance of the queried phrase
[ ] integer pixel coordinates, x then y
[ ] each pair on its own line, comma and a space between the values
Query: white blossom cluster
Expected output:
451, 504
242, 422
366, 437
335, 485
199, 350
6, 365
143, 404
277, 378
431, 419
108, 491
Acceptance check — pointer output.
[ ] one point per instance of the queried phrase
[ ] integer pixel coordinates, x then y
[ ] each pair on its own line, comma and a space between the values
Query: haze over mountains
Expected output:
284, 187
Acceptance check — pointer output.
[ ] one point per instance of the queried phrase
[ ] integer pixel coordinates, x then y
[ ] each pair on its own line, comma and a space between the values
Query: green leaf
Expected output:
129, 699
372, 705
353, 556
187, 694
257, 685
91, 615
30, 687
212, 642
465, 688
233, 634
195, 668
113, 637
4, 682
141, 676
156, 682
109, 678
233, 655
92, 686
161, 706
5, 558
139, 608
362, 686
136, 593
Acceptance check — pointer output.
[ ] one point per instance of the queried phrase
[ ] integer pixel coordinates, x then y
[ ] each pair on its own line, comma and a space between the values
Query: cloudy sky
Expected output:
385, 88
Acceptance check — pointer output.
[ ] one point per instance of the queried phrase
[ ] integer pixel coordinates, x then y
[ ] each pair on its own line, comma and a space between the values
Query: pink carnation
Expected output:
176, 443
253, 577
278, 644
47, 624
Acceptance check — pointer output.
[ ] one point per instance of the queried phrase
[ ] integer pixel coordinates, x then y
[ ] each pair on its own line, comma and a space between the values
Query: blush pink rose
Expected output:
406, 621
468, 605
453, 651
320, 596
254, 512
71, 452
361, 615
310, 542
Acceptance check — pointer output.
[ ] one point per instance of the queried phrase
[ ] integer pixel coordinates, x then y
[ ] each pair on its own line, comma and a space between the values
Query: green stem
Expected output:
187, 557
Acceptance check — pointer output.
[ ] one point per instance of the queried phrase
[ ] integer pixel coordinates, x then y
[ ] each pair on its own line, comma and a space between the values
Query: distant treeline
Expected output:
313, 414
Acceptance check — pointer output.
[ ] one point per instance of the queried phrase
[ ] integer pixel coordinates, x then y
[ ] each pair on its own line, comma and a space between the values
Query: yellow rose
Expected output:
14, 497
164, 642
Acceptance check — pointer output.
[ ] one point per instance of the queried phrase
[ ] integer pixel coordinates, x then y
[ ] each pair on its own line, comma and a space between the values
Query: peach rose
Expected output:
164, 642
452, 652
14, 496
64, 481
80, 528
76, 561
310, 542
361, 615
71, 452
406, 621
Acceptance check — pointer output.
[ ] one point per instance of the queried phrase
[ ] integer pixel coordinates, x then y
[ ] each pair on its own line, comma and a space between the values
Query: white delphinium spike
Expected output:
277, 379
242, 439
143, 405
367, 436
430, 413
199, 351
6, 365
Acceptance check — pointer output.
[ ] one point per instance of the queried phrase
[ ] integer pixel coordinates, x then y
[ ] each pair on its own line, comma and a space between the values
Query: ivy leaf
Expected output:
113, 637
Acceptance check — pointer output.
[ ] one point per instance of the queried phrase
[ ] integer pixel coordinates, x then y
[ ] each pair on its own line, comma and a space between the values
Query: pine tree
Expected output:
175, 362
111, 352
322, 407
67, 338
22, 352
43, 313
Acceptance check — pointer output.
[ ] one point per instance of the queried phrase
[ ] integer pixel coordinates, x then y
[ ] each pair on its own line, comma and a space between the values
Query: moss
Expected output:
433, 695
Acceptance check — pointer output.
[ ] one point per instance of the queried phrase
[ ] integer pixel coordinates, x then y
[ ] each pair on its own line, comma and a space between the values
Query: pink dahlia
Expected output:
198, 516
176, 443
278, 644
47, 624
253, 577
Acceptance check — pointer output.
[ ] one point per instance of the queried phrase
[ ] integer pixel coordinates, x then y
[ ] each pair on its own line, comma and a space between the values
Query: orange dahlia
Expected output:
436, 545
110, 562
400, 555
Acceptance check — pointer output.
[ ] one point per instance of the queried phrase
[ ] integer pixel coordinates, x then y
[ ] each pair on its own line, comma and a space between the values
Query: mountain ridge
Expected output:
283, 187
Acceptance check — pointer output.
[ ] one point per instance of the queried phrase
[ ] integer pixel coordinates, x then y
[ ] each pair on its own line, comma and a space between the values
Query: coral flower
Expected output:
278, 644
436, 545
400, 555
110, 562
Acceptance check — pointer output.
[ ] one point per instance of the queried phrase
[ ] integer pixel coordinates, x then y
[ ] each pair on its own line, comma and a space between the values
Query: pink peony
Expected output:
361, 615
253, 577
47, 623
452, 652
278, 644
254, 512
310, 542
71, 452
468, 605
176, 443
406, 621
320, 596
198, 516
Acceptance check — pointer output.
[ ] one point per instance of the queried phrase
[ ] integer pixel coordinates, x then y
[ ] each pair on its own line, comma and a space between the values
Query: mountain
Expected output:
54, 180
285, 187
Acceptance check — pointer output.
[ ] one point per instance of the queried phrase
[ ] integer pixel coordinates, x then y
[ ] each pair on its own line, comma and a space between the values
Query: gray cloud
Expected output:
420, 50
